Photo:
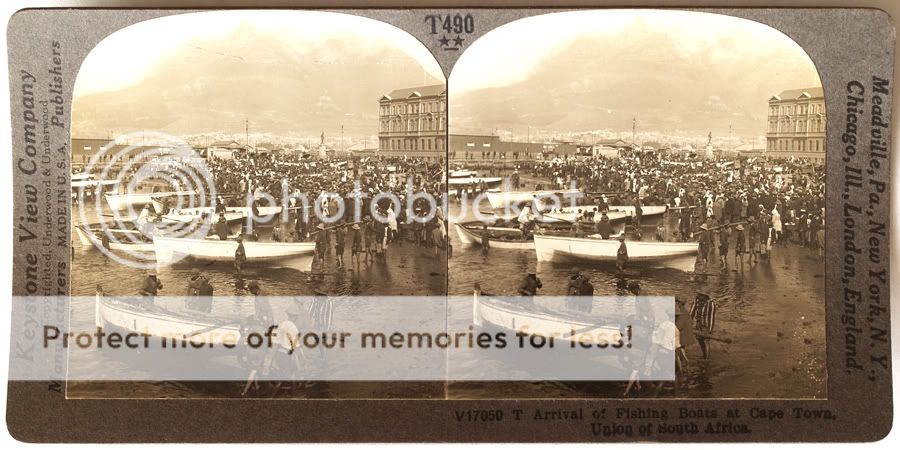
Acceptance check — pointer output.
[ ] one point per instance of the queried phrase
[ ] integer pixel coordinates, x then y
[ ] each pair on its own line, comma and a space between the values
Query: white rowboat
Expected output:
462, 173
158, 322
123, 201
470, 235
496, 312
615, 213
557, 248
292, 254
500, 200
126, 240
491, 182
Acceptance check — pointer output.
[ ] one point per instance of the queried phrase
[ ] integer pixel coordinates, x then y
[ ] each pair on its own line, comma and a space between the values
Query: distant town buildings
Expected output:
796, 125
412, 122
489, 148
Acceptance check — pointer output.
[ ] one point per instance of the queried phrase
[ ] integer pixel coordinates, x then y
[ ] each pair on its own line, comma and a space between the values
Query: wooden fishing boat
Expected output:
125, 240
93, 184
556, 248
505, 314
490, 182
571, 213
183, 217
463, 173
500, 200
123, 201
470, 235
297, 255
162, 323
243, 210
615, 213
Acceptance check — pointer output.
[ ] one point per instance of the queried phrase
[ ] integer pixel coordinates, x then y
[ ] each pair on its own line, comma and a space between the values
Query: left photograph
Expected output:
240, 154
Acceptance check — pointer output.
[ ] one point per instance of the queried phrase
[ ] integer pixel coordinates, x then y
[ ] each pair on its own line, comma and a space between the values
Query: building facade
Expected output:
412, 122
796, 125
488, 148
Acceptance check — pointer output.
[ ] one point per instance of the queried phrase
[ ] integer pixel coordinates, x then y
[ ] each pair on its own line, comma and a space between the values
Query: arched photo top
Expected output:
284, 72
675, 72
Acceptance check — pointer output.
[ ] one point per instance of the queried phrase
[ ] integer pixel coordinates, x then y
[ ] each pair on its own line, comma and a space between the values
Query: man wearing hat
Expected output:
704, 245
740, 245
287, 350
222, 227
355, 243
150, 288
604, 229
199, 292
621, 254
240, 255
321, 242
579, 293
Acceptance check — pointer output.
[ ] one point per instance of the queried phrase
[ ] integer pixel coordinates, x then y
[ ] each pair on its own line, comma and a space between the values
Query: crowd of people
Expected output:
744, 204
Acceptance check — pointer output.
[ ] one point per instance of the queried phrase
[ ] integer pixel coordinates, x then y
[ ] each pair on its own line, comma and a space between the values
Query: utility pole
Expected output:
247, 132
633, 129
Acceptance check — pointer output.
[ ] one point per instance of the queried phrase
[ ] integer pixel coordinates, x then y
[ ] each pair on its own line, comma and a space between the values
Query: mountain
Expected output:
281, 87
602, 83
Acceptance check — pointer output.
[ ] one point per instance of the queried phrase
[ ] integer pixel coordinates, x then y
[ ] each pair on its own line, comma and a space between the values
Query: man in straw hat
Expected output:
704, 244
740, 245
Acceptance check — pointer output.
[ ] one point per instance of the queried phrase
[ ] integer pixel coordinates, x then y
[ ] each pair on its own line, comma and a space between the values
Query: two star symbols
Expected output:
445, 41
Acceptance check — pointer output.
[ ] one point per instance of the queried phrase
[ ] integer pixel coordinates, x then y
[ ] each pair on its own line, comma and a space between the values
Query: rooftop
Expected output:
422, 91
794, 94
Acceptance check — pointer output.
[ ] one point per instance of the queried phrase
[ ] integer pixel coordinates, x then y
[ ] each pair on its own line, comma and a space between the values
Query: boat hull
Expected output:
118, 202
500, 200
157, 322
170, 250
492, 312
88, 239
470, 238
558, 248
490, 182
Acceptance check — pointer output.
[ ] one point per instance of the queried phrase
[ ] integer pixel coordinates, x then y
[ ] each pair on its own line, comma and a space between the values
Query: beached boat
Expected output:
463, 173
243, 210
502, 313
159, 322
501, 238
138, 200
93, 184
500, 200
490, 182
615, 213
297, 255
570, 214
452, 192
556, 248
182, 217
125, 240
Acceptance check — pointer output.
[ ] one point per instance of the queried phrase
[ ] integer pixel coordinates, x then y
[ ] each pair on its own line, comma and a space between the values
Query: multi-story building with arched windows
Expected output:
796, 125
412, 122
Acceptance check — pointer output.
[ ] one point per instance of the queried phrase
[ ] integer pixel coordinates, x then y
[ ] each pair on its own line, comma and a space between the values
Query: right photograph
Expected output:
621, 154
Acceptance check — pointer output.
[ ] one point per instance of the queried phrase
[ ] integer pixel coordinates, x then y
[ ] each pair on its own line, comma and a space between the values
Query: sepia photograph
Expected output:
632, 153
222, 159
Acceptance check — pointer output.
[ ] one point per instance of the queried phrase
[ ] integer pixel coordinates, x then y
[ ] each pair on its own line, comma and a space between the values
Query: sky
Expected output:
123, 58
513, 52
